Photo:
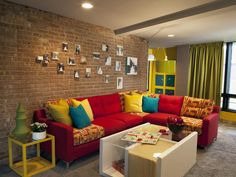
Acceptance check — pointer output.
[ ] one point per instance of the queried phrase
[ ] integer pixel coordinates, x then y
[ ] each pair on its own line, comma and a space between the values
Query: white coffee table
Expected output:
166, 159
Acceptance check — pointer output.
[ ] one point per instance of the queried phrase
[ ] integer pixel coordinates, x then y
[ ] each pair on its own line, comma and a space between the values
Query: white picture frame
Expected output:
108, 61
119, 50
118, 65
131, 66
55, 55
119, 83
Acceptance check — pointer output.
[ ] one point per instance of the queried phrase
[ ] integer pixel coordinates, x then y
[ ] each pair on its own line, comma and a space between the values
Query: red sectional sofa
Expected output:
108, 113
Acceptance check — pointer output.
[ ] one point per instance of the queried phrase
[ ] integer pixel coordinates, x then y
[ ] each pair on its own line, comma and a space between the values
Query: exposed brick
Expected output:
27, 32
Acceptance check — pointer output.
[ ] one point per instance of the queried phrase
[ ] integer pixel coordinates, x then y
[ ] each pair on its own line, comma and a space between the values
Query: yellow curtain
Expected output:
205, 71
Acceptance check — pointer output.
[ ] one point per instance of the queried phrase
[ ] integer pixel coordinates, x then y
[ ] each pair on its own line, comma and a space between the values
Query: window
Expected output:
229, 76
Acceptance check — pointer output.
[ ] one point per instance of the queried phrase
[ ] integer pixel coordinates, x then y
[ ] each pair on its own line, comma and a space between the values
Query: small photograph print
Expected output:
131, 66
55, 55
88, 72
39, 58
45, 59
107, 79
76, 74
119, 83
77, 49
83, 60
60, 68
96, 55
99, 70
105, 47
71, 62
119, 50
118, 66
108, 61
65, 46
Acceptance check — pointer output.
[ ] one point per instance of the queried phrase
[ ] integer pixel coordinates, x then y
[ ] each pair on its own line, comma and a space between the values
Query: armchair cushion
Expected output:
196, 107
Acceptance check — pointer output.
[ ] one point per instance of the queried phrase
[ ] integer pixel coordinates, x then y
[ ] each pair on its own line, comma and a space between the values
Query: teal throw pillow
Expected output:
79, 117
150, 105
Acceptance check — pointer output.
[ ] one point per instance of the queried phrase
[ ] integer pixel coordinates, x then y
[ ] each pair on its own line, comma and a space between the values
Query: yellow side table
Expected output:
35, 165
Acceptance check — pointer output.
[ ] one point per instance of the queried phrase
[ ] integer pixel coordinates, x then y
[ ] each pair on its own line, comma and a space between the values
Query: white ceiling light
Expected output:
87, 5
171, 35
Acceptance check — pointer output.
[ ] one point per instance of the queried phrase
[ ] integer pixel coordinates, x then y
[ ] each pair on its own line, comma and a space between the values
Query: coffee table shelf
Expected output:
162, 156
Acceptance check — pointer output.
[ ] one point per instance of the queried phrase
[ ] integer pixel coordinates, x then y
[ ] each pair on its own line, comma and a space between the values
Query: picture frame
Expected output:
119, 83
108, 61
60, 68
55, 55
71, 61
105, 47
83, 60
76, 74
131, 66
118, 65
119, 50
77, 49
88, 72
45, 60
106, 79
65, 46
99, 70
96, 55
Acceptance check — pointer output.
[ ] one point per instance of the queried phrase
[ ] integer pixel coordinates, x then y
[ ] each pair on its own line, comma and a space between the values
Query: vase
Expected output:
39, 135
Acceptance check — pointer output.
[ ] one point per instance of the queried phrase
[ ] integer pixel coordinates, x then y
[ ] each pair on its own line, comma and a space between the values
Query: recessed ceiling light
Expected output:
171, 35
87, 5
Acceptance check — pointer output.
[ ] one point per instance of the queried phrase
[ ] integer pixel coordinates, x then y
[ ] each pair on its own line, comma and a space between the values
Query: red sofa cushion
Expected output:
170, 104
130, 120
157, 118
96, 105
111, 103
110, 125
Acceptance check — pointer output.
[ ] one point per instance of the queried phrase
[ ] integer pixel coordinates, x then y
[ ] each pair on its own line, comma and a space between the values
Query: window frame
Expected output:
226, 95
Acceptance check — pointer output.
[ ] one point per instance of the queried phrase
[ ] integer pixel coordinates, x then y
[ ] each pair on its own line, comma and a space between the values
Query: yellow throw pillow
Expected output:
60, 112
133, 103
85, 105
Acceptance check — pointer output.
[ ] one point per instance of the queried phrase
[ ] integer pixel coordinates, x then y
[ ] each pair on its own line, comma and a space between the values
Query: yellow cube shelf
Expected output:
35, 165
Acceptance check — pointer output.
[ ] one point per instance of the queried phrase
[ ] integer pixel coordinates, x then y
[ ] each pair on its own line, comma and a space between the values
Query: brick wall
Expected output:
26, 33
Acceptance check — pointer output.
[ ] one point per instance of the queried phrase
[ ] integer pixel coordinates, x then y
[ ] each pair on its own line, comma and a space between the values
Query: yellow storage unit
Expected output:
162, 77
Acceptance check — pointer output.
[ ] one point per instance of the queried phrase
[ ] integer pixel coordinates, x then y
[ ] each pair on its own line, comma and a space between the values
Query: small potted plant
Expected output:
38, 130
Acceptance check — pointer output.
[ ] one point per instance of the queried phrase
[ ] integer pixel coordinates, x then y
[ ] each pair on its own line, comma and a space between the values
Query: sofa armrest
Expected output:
63, 136
216, 109
210, 127
63, 139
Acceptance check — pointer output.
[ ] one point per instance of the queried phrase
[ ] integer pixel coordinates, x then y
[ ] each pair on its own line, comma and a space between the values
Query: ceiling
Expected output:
211, 26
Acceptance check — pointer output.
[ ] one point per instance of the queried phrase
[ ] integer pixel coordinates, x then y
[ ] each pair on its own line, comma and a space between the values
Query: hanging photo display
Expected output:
71, 62
83, 60
119, 50
60, 68
96, 55
105, 47
131, 66
106, 79
65, 46
99, 70
108, 61
118, 66
119, 83
77, 49
88, 72
55, 55
76, 74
